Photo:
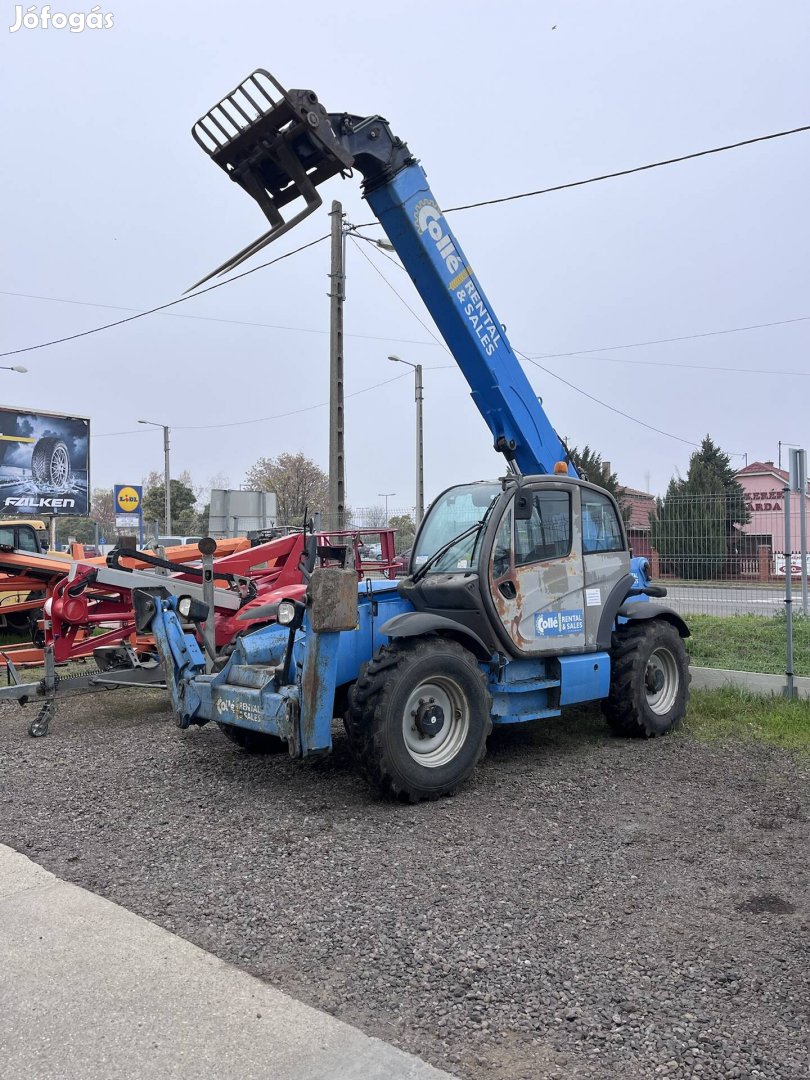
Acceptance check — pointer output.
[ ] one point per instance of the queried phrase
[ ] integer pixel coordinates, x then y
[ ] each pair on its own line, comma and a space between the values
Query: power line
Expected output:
171, 303
258, 419
401, 298
684, 367
628, 172
604, 404
451, 210
597, 400
576, 353
214, 318
667, 340
573, 354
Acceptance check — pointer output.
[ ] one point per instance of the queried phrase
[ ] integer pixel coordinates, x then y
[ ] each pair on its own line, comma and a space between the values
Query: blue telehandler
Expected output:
522, 596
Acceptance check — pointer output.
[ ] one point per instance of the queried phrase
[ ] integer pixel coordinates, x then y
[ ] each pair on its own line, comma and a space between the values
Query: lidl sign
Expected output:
127, 499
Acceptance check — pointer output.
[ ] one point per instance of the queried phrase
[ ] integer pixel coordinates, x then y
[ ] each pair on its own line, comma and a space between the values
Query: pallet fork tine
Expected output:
277, 156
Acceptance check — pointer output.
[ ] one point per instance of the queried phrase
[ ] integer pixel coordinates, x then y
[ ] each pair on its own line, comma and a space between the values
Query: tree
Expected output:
184, 504
406, 531
590, 466
297, 482
371, 517
695, 526
83, 529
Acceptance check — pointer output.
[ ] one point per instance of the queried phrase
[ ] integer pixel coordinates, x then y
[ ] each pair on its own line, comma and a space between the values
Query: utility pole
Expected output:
167, 480
337, 295
420, 453
385, 495
167, 472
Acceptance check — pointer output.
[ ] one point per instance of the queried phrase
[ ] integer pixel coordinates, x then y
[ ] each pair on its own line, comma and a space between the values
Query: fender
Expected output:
615, 599
417, 623
635, 611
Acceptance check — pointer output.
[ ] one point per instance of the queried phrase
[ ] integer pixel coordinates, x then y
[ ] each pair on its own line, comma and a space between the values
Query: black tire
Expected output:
50, 462
649, 684
253, 742
420, 680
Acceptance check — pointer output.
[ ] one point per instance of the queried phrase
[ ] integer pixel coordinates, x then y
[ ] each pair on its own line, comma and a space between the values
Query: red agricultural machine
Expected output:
87, 609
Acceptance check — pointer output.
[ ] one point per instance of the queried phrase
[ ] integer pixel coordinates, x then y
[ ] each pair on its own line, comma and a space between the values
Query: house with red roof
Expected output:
637, 506
764, 486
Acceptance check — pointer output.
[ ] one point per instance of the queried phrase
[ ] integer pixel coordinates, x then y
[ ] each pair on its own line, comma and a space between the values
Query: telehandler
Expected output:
522, 597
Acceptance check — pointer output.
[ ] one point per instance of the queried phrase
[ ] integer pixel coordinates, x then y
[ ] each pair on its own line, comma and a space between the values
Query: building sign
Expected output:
795, 564
128, 506
44, 463
763, 500
127, 499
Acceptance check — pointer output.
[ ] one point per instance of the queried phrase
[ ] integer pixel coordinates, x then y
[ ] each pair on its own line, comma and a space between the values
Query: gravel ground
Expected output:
586, 907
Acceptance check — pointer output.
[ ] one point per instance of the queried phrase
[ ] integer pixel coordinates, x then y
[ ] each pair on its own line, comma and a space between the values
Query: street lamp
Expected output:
385, 495
420, 470
15, 367
166, 472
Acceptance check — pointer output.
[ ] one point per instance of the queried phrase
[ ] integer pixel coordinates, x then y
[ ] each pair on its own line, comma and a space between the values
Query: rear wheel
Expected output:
419, 717
649, 683
253, 742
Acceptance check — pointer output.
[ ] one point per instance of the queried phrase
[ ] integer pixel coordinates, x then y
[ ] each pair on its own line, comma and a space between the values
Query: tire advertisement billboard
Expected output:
44, 463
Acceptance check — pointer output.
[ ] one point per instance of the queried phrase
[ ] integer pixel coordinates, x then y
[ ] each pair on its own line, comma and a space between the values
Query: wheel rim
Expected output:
661, 681
444, 695
60, 466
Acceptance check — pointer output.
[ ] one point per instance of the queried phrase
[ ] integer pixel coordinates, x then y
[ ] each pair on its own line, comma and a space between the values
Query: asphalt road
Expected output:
723, 600
586, 907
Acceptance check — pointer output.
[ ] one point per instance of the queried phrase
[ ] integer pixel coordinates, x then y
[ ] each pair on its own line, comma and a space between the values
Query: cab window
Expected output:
601, 530
547, 534
26, 541
6, 537
502, 548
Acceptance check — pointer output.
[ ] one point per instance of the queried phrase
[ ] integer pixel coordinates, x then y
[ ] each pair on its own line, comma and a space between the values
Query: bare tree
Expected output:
297, 482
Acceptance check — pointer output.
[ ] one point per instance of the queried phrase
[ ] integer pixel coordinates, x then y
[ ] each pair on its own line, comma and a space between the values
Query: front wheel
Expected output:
649, 682
419, 717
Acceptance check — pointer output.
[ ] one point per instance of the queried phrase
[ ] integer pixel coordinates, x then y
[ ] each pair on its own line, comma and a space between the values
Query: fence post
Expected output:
789, 690
655, 564
798, 481
764, 558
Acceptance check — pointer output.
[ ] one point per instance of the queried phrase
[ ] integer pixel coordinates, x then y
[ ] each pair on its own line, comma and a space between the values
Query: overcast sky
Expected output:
107, 202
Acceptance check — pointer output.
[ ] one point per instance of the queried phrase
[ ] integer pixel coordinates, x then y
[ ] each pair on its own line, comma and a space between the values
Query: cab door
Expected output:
535, 576
605, 555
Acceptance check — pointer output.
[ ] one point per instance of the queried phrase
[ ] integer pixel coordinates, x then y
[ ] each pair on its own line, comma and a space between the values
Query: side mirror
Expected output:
524, 506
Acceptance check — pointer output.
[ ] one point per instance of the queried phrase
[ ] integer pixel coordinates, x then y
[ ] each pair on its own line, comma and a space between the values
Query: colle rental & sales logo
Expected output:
45, 18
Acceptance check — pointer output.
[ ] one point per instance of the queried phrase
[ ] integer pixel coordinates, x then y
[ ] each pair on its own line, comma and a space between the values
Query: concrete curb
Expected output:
757, 682
89, 991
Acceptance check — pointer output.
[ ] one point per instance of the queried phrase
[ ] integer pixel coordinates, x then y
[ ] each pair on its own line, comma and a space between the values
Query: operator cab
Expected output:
530, 566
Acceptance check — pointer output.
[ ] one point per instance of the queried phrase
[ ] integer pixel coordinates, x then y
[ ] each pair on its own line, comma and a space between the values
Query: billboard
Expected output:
44, 463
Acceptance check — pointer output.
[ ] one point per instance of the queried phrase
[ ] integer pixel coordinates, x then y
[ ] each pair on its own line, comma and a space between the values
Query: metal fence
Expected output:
733, 567
369, 518
722, 559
